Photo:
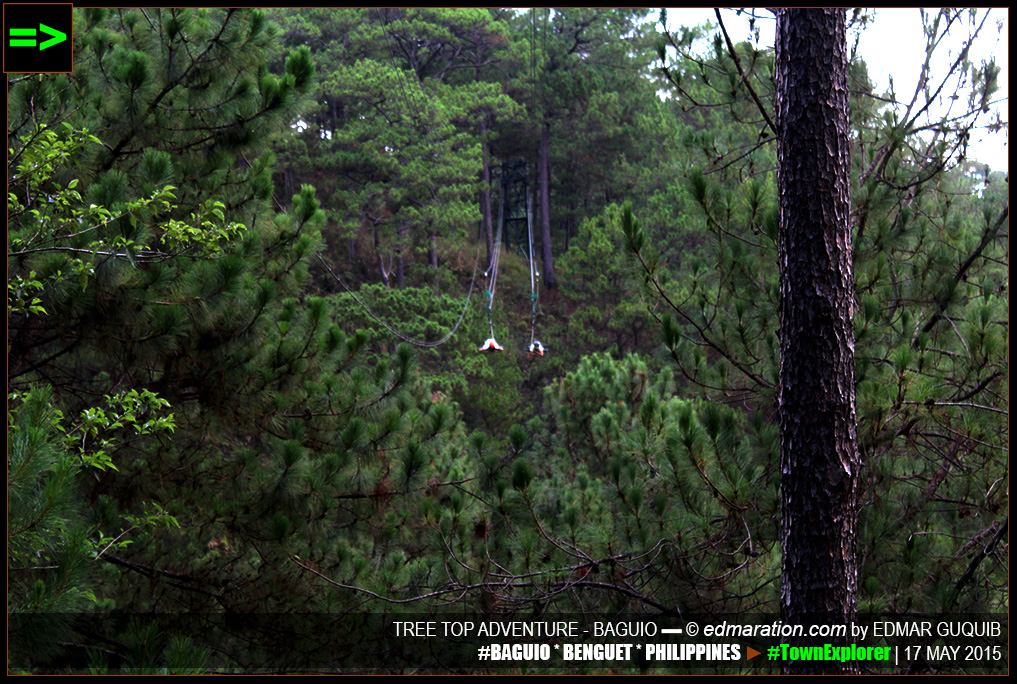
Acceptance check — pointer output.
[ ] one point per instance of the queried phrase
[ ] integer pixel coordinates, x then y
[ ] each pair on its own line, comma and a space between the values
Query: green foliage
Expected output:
475, 381
622, 487
179, 80
47, 533
20, 297
597, 281
396, 133
98, 428
56, 222
52, 547
283, 435
930, 358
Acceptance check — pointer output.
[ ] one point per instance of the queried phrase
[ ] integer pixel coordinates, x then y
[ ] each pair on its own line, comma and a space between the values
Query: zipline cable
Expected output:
492, 271
533, 271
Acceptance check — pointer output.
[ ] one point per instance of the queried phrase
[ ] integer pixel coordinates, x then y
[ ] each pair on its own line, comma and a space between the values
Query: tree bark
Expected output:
819, 452
545, 205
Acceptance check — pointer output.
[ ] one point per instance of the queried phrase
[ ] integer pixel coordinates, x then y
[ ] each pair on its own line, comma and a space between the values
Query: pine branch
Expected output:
986, 551
745, 79
990, 233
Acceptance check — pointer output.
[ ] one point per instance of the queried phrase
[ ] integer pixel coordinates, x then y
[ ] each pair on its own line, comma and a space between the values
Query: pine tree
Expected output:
48, 538
917, 249
291, 453
816, 402
577, 64
402, 137
180, 96
623, 498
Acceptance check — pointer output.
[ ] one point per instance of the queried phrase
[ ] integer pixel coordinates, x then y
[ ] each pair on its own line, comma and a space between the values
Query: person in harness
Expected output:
537, 348
491, 345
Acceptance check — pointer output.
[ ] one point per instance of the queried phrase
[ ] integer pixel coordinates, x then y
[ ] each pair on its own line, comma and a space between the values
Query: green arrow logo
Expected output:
58, 36
27, 37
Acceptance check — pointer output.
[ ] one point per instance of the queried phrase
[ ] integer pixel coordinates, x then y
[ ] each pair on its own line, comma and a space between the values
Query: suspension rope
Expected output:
533, 272
534, 289
492, 271
404, 338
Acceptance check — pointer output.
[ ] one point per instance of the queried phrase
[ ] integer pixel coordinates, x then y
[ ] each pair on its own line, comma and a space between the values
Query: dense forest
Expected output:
252, 256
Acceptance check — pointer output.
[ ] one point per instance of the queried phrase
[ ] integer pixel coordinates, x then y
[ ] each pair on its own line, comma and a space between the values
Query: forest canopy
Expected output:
252, 255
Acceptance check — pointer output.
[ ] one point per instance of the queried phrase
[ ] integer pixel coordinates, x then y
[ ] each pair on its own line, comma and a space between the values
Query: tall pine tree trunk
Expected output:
819, 451
545, 205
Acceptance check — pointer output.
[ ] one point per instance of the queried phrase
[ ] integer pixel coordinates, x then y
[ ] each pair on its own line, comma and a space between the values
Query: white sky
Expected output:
894, 45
